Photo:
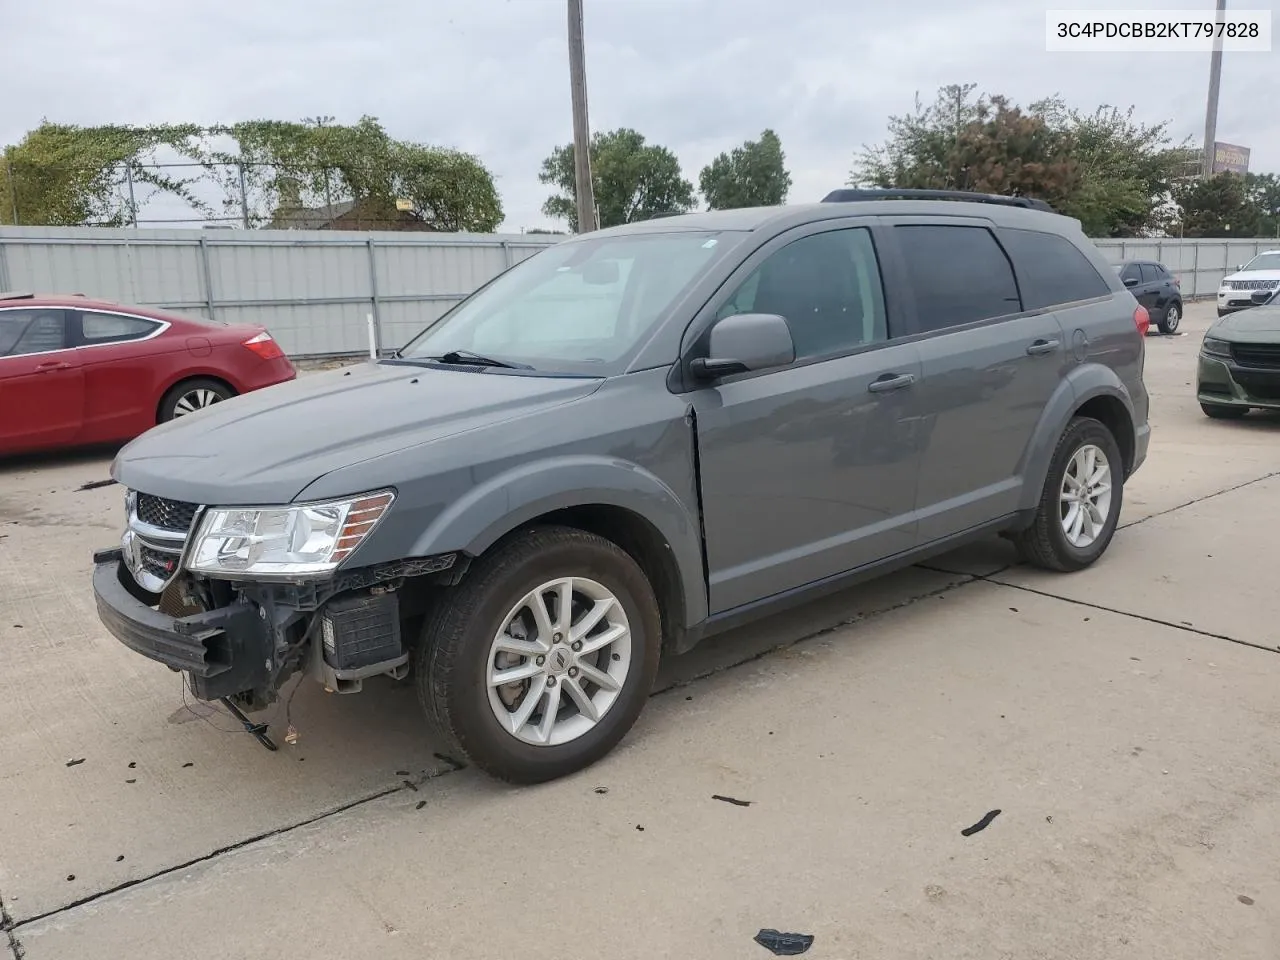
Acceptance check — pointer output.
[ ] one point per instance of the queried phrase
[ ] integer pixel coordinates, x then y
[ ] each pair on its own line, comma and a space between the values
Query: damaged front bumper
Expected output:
245, 640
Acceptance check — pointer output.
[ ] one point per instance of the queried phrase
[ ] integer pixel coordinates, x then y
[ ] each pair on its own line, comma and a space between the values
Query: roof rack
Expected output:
854, 194
16, 295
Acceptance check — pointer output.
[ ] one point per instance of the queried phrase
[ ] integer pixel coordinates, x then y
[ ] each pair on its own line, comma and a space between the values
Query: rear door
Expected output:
809, 470
122, 356
41, 382
989, 368
1154, 296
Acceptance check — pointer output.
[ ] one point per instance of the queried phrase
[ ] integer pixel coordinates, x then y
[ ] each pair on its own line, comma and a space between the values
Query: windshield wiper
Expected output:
467, 358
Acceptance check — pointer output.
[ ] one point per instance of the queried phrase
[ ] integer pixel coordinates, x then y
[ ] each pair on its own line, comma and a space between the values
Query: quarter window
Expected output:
958, 274
1052, 270
31, 331
826, 285
113, 328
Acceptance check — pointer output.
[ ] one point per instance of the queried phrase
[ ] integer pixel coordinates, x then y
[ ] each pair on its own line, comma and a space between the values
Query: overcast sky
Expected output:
491, 76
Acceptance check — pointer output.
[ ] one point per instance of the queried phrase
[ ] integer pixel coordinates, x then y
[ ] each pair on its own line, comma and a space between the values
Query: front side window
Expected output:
31, 331
828, 288
578, 307
958, 274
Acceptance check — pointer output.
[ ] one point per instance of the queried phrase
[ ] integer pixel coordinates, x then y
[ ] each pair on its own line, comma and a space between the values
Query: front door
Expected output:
809, 470
41, 382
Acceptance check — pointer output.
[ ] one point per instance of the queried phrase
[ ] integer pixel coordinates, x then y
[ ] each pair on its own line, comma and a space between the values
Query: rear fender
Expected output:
488, 512
1081, 385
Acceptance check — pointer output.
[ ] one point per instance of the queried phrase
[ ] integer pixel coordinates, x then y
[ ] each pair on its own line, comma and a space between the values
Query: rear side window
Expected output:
113, 328
1052, 270
1150, 273
958, 275
31, 331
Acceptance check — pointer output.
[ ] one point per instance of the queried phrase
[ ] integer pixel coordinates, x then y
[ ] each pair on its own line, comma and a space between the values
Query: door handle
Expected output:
52, 365
891, 381
1042, 346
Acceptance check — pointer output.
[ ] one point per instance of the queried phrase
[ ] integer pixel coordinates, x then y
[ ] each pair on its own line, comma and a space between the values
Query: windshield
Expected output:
577, 307
1263, 261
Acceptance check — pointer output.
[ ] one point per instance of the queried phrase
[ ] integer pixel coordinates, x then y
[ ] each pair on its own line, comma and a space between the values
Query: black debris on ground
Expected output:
131, 781
185, 765
133, 764
421, 804
75, 763
736, 802
601, 790
411, 785
120, 858
784, 944
1246, 900
70, 877
981, 824
402, 773
640, 828
94, 485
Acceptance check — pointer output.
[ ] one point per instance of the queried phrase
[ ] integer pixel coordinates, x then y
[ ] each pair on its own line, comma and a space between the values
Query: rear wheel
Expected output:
1172, 317
541, 660
192, 395
1223, 411
1080, 503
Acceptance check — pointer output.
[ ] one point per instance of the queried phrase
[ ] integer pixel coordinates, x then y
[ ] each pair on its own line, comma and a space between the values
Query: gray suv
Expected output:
635, 439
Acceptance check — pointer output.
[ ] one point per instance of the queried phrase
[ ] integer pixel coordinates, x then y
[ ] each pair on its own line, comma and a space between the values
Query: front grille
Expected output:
1253, 284
166, 514
1265, 356
1262, 386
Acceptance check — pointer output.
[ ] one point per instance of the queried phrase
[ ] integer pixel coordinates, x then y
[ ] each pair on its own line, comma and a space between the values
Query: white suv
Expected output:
1251, 284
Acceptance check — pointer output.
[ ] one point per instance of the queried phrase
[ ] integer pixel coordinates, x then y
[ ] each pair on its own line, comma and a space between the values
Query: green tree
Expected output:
632, 180
66, 175
1218, 206
1105, 169
317, 163
1264, 192
753, 175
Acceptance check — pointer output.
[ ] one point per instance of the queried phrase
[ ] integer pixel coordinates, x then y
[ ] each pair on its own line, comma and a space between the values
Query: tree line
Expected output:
1118, 176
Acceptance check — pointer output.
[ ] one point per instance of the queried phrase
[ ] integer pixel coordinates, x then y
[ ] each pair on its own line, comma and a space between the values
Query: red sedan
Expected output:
75, 371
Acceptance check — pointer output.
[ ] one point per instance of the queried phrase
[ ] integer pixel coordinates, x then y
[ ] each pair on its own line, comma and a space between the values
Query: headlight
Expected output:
1216, 348
294, 541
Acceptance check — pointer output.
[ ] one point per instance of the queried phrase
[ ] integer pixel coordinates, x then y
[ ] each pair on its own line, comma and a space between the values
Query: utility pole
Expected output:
581, 129
1211, 108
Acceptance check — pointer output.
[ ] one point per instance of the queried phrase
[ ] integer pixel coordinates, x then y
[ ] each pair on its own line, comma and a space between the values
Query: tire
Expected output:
1172, 317
1223, 411
457, 651
182, 397
1045, 543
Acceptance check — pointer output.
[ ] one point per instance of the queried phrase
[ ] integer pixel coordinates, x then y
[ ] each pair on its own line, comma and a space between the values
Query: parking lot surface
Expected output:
1123, 721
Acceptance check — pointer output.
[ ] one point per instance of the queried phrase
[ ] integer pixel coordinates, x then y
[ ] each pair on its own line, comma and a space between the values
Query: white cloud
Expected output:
491, 77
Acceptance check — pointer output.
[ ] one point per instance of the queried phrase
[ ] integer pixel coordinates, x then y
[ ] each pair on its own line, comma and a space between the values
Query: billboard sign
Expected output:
1229, 158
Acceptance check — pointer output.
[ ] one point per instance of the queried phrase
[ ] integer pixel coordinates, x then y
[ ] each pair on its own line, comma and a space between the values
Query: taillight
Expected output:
264, 346
1141, 320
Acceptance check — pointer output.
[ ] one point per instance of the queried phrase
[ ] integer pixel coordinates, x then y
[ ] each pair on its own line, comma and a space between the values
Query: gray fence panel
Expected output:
314, 290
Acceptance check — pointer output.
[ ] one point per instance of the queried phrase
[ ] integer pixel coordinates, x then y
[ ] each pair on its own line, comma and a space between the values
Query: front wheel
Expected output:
1172, 317
1080, 503
541, 660
1223, 411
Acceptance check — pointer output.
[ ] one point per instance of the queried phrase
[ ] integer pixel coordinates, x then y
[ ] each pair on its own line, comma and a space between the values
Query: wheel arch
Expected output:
1088, 391
616, 500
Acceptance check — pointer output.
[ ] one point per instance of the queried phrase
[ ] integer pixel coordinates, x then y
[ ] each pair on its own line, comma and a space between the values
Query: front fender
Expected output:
1079, 386
475, 521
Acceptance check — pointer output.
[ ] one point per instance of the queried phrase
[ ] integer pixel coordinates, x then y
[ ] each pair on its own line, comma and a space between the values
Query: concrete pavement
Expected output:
1123, 720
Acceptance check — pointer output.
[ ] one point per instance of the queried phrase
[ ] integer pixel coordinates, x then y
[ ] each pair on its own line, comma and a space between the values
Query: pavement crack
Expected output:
1193, 502
1132, 615
6, 925
10, 926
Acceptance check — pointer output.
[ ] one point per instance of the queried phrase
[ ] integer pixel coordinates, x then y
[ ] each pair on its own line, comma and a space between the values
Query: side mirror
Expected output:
746, 341
1130, 281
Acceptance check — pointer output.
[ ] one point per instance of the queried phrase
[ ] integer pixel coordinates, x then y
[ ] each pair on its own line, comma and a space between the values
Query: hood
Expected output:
1271, 276
267, 446
1254, 325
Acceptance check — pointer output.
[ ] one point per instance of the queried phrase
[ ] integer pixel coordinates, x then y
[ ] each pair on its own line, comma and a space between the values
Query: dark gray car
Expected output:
634, 439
